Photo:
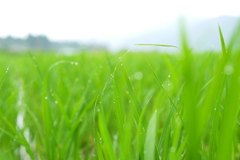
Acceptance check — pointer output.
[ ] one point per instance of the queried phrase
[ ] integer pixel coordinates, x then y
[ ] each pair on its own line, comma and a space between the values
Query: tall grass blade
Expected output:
149, 146
105, 135
138, 109
222, 41
160, 45
230, 114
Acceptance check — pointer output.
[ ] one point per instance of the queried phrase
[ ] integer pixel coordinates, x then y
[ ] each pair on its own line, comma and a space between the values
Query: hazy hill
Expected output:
41, 42
202, 35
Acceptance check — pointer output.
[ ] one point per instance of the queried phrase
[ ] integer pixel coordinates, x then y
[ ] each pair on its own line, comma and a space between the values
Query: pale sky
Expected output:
96, 19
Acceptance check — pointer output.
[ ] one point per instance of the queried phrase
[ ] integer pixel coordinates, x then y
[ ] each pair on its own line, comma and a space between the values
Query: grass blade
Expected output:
222, 42
149, 146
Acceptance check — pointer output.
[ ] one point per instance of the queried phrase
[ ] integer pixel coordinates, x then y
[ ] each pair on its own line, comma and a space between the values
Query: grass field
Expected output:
120, 106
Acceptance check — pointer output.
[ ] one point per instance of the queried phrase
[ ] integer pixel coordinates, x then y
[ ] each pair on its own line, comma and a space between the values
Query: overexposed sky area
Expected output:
96, 19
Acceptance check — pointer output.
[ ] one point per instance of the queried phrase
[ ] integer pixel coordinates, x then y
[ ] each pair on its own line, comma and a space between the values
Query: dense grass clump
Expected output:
120, 106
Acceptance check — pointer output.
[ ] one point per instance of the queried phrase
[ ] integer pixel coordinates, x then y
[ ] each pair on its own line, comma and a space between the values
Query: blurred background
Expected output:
69, 26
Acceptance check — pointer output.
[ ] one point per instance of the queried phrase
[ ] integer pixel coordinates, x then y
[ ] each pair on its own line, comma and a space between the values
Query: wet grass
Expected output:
121, 106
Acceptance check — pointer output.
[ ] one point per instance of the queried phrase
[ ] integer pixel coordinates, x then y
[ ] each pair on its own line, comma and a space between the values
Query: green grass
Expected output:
121, 106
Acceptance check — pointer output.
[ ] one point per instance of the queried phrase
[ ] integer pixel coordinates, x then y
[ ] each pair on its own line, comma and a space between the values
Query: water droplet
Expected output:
46, 97
121, 64
169, 76
98, 110
115, 136
228, 69
172, 149
76, 63
72, 62
215, 109
56, 102
138, 75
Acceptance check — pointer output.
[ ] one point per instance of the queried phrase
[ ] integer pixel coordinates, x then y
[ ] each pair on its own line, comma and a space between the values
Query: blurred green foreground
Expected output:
120, 106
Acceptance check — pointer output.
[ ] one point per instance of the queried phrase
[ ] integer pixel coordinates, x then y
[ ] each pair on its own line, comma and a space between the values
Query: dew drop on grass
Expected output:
138, 75
169, 76
46, 97
76, 63
173, 149
56, 102
72, 63
228, 69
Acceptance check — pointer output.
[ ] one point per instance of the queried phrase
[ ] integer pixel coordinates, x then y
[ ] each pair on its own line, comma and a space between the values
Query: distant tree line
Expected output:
41, 42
